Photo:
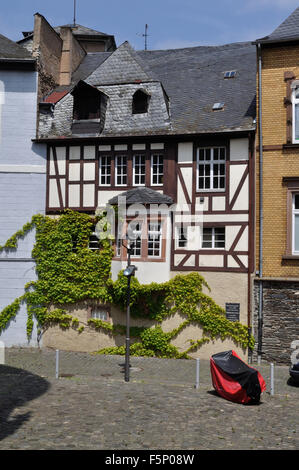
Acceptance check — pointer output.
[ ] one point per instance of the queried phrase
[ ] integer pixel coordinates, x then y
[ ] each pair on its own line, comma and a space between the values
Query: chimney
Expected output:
71, 56
46, 48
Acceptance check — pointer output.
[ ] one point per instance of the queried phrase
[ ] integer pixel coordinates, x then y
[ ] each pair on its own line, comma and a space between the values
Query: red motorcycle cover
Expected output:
234, 380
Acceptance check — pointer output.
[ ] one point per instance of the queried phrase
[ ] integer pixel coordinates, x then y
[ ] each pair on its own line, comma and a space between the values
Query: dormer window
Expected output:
87, 102
140, 102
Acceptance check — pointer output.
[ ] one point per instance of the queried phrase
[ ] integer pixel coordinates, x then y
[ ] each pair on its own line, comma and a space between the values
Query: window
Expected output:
218, 106
295, 224
230, 74
139, 170
213, 237
295, 106
105, 170
211, 168
93, 240
140, 102
148, 242
154, 239
181, 236
87, 101
157, 170
100, 313
121, 170
136, 234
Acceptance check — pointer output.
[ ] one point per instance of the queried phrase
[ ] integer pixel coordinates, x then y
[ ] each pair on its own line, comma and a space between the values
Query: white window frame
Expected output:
294, 213
137, 236
100, 313
105, 166
213, 247
211, 163
137, 169
123, 174
181, 230
157, 242
155, 169
295, 101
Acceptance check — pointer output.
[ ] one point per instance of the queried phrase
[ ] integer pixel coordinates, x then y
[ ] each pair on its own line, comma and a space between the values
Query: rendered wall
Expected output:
22, 192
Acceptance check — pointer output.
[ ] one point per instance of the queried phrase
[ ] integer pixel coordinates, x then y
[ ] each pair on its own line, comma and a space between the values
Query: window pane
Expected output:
207, 238
154, 239
219, 237
296, 201
297, 121
139, 169
121, 170
105, 170
296, 232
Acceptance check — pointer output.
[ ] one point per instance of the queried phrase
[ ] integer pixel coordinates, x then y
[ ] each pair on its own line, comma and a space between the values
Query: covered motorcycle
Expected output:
234, 380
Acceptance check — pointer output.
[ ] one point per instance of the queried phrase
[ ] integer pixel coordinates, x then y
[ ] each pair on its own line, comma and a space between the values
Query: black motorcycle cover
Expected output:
234, 380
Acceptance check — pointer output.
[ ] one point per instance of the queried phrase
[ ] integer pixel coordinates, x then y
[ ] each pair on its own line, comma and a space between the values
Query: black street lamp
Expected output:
128, 272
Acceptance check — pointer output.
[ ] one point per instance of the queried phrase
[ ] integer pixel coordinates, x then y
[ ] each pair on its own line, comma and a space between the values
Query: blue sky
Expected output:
171, 23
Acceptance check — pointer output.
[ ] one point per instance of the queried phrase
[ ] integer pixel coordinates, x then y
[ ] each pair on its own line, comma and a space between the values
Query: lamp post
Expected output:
128, 272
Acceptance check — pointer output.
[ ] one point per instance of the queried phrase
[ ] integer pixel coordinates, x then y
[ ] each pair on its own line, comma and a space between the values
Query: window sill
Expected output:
76, 121
290, 257
291, 146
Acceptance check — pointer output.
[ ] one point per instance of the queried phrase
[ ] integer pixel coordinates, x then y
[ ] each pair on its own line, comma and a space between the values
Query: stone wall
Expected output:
280, 319
90, 340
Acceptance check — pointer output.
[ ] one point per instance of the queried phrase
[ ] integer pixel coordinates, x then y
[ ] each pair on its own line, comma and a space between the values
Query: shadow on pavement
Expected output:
17, 387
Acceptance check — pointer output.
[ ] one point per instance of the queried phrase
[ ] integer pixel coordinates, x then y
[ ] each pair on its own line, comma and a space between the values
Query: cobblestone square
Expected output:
159, 408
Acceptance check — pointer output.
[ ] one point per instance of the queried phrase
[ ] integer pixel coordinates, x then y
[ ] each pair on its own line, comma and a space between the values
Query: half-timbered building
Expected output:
173, 128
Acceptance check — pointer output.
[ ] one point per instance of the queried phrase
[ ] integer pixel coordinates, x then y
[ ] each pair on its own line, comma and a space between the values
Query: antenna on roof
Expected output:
74, 12
145, 35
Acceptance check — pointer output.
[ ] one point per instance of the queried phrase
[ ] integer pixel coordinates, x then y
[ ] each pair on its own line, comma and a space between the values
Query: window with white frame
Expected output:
157, 169
154, 243
213, 237
100, 313
105, 170
181, 240
139, 170
121, 170
295, 111
210, 168
93, 240
136, 238
295, 224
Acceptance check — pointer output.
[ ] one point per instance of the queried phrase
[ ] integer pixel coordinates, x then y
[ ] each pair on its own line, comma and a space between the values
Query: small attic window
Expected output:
230, 74
140, 102
87, 102
218, 106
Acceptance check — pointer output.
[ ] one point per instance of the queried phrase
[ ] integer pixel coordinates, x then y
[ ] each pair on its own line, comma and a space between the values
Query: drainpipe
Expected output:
261, 215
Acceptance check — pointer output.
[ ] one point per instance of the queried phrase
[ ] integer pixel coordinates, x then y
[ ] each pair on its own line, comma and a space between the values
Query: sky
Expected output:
171, 23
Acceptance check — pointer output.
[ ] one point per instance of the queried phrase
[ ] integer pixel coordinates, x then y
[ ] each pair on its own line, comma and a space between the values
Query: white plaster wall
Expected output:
22, 192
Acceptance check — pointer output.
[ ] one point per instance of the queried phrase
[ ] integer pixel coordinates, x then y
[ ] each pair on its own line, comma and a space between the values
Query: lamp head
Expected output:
130, 270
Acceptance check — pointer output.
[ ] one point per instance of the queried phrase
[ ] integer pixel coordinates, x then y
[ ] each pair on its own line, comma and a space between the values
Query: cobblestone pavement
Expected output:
159, 408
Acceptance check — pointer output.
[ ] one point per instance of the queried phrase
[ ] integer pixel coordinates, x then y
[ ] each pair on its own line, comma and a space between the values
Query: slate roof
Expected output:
192, 78
287, 30
11, 50
142, 195
79, 30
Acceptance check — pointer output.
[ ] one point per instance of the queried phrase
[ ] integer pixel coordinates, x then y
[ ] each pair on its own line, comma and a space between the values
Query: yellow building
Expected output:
277, 197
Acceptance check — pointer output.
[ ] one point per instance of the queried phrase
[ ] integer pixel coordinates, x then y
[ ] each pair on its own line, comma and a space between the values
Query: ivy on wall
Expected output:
69, 272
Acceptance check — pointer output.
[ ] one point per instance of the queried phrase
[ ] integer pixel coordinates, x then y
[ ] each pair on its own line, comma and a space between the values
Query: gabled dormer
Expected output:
89, 105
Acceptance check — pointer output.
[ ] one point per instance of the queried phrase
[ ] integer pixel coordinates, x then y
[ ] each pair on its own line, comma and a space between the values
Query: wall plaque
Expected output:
232, 311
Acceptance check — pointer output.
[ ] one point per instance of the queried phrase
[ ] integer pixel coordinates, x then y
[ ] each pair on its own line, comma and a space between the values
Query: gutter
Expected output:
261, 212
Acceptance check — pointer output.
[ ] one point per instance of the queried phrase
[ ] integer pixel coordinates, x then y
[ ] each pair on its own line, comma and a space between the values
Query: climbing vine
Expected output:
69, 272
